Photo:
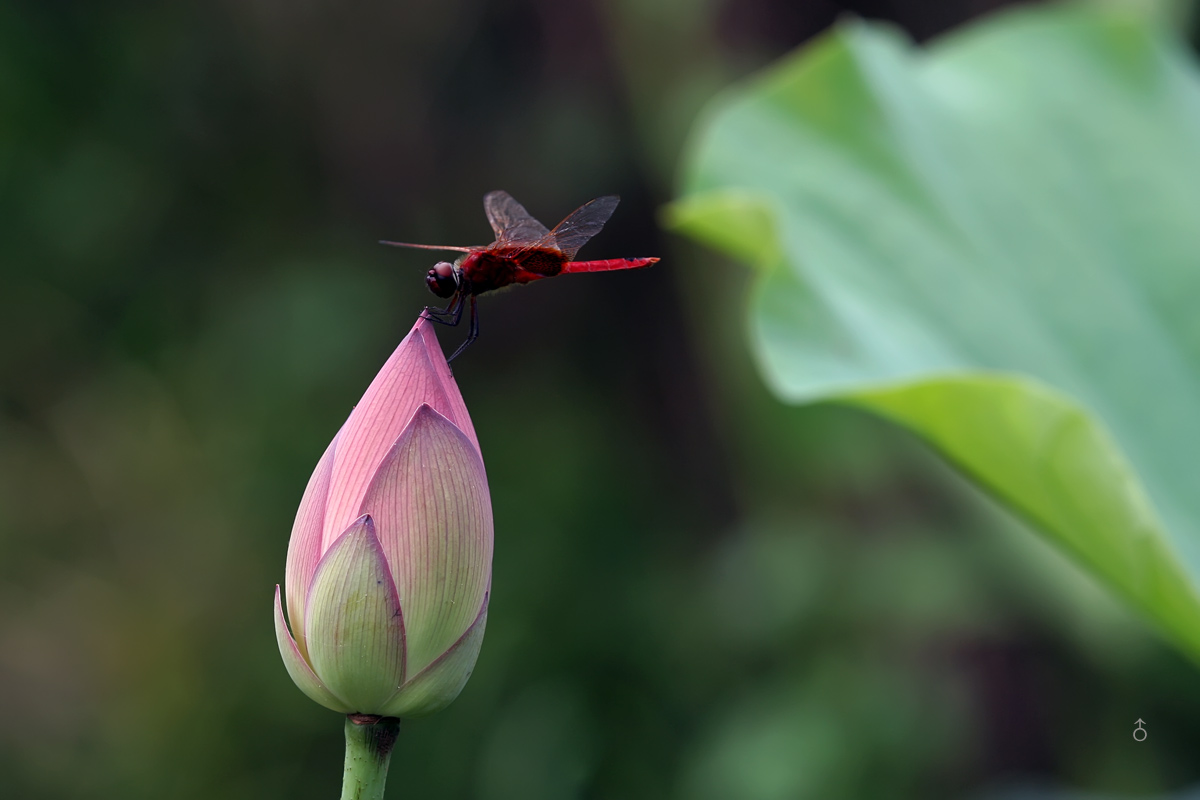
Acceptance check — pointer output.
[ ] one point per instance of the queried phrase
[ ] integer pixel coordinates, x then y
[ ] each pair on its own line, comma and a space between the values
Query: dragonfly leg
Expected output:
472, 333
450, 315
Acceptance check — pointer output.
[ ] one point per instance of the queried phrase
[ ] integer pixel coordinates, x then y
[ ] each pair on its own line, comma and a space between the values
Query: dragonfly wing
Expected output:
584, 223
511, 222
431, 246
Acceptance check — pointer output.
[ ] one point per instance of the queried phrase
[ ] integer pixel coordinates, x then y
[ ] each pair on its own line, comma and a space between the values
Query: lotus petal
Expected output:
430, 502
437, 685
304, 548
298, 668
416, 373
354, 626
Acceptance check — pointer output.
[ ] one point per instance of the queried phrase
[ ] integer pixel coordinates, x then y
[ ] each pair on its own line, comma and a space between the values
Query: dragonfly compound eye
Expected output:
441, 280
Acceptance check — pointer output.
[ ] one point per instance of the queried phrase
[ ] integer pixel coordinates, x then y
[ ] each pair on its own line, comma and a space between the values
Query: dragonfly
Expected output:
524, 251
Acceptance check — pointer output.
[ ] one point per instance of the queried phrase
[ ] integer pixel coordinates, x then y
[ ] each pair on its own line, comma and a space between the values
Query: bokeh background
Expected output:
698, 593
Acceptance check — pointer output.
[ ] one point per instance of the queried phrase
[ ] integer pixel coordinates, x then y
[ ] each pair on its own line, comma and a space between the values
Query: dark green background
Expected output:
697, 594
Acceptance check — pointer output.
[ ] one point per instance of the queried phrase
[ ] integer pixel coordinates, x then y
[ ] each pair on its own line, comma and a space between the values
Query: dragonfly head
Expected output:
442, 280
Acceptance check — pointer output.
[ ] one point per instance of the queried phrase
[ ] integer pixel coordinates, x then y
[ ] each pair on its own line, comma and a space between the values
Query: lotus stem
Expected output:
369, 742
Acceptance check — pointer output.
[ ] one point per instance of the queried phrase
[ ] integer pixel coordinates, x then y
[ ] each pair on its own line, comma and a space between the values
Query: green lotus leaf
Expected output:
994, 242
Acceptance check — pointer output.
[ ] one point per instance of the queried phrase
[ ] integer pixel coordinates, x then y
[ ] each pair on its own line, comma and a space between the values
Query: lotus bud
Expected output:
390, 561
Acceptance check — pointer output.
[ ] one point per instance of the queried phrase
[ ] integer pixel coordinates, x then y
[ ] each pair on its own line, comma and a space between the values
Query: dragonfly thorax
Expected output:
443, 279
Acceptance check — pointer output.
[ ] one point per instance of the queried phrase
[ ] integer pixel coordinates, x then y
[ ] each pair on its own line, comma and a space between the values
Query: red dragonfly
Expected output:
524, 251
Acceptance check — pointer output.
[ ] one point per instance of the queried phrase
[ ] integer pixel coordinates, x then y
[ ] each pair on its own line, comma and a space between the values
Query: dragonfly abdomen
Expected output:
607, 264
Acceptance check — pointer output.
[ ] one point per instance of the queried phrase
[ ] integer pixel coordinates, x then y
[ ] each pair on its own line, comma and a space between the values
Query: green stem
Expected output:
369, 741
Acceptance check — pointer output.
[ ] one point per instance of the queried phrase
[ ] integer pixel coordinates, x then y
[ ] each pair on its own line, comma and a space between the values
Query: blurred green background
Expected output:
698, 593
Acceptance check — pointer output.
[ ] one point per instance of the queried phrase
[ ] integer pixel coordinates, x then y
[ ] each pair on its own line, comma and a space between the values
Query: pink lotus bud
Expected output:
390, 561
